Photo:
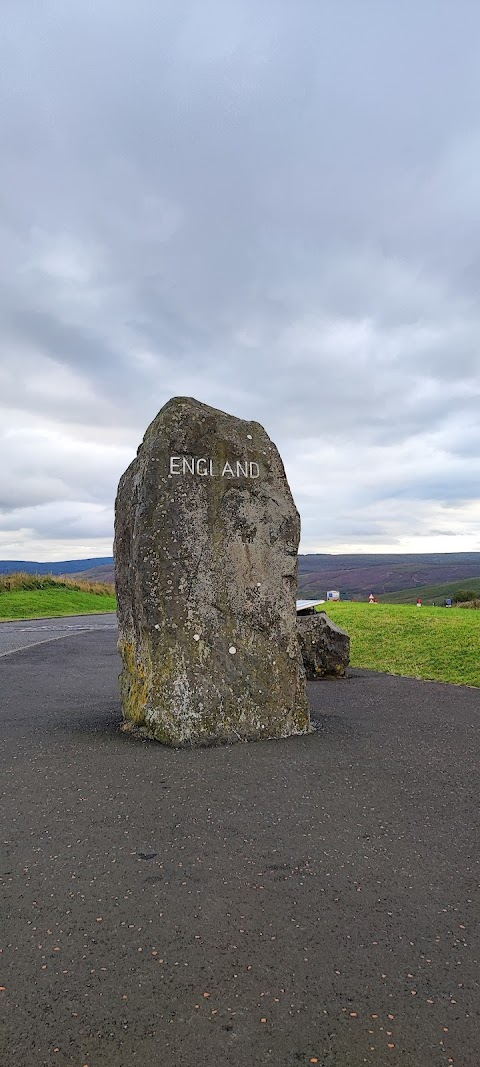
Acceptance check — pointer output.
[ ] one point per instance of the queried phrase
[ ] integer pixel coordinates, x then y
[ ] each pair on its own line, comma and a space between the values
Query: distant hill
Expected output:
69, 566
355, 575
104, 573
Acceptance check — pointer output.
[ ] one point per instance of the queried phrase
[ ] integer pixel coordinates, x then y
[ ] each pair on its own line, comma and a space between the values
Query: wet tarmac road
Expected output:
314, 900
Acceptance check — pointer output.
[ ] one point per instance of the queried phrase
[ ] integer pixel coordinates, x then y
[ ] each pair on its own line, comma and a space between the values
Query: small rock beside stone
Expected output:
324, 646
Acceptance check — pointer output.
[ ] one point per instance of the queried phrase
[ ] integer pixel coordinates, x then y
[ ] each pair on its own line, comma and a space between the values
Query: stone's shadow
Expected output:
106, 721
330, 723
95, 724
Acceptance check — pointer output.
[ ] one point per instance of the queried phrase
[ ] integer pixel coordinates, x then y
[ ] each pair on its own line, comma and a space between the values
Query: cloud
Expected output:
273, 209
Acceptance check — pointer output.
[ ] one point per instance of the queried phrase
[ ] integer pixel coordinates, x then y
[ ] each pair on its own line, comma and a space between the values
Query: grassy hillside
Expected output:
49, 603
25, 596
419, 642
436, 592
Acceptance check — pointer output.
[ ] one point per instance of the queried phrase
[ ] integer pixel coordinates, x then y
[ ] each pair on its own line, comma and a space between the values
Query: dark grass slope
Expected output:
437, 592
104, 573
358, 575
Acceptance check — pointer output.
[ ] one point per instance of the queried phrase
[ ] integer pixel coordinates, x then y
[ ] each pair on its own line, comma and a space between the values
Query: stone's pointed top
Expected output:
179, 404
181, 401
206, 542
186, 421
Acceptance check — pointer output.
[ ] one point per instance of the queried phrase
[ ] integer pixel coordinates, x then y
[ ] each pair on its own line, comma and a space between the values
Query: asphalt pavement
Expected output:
307, 901
24, 633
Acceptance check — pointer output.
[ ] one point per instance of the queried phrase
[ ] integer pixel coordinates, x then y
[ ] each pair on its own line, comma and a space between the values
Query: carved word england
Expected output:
207, 468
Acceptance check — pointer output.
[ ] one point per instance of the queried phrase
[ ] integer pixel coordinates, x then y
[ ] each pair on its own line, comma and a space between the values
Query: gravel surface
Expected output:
313, 900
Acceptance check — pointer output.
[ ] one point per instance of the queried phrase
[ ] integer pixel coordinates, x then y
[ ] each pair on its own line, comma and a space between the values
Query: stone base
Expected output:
206, 740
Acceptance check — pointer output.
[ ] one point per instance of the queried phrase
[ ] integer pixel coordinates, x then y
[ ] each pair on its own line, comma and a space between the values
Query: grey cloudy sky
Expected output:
270, 205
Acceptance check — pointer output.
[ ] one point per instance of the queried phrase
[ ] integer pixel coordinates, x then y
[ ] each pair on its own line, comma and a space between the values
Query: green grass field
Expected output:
437, 643
52, 602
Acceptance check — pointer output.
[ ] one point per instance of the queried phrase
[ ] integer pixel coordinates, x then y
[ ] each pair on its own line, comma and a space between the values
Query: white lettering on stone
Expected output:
173, 461
205, 467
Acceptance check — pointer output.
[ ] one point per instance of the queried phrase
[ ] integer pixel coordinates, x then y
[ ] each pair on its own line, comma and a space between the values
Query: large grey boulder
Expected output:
206, 539
325, 647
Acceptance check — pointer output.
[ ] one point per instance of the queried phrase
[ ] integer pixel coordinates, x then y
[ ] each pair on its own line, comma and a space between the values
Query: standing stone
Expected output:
206, 539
